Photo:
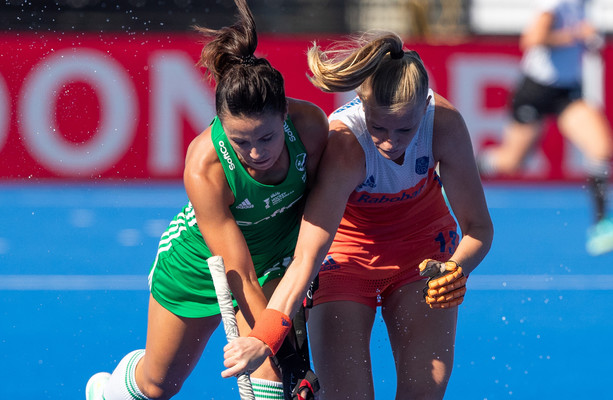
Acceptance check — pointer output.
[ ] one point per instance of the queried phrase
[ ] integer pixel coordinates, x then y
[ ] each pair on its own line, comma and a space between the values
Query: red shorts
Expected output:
367, 273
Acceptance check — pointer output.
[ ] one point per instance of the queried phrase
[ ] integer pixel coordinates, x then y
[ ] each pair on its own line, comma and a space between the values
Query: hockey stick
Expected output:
224, 298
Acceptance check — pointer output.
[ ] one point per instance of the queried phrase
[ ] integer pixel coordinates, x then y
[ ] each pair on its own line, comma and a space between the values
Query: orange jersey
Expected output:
394, 220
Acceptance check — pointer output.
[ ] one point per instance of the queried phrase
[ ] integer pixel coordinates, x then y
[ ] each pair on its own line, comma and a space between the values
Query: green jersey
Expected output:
267, 215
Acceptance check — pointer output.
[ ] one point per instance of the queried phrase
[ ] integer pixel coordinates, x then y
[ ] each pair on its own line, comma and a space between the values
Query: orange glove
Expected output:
447, 284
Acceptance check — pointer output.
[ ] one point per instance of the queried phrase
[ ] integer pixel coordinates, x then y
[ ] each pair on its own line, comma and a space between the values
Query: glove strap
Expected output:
456, 264
309, 382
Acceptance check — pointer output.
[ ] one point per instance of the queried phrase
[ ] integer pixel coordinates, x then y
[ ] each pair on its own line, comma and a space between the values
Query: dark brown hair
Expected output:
245, 84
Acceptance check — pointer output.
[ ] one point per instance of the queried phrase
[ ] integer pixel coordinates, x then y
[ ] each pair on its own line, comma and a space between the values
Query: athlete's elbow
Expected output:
485, 235
482, 231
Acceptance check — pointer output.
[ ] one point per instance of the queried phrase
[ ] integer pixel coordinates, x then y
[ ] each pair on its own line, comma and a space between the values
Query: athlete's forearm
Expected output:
249, 296
312, 247
293, 288
473, 248
322, 215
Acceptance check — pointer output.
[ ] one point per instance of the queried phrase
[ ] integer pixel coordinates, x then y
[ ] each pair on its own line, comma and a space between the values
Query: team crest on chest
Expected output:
421, 165
300, 161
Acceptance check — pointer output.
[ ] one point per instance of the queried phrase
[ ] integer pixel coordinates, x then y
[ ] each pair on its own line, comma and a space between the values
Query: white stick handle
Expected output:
224, 298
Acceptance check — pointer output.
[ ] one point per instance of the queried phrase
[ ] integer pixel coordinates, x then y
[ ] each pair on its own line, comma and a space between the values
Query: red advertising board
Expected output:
125, 106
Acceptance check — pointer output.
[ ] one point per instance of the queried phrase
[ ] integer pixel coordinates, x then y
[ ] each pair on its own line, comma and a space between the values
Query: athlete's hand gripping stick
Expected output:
446, 283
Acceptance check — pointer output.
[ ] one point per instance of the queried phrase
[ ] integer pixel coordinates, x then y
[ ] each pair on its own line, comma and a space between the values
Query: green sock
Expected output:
265, 389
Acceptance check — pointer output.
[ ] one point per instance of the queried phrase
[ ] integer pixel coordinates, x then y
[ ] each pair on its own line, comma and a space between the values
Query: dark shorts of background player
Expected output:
533, 101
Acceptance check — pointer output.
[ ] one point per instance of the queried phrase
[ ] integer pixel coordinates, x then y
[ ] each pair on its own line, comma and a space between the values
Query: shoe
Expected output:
95, 386
600, 237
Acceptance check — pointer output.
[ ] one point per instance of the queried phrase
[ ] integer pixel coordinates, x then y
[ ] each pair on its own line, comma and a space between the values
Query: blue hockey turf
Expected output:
74, 259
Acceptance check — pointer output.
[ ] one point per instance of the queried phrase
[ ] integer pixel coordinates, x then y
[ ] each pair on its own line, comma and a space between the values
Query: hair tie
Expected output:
247, 60
397, 55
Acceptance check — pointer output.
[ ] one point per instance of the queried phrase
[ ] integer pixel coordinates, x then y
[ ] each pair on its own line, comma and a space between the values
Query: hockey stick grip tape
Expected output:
224, 297
271, 328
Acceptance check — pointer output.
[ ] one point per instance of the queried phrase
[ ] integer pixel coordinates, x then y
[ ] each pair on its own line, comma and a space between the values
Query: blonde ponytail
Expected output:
375, 65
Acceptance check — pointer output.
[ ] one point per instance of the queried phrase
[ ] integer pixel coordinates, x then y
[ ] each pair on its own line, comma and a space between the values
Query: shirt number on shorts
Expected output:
451, 240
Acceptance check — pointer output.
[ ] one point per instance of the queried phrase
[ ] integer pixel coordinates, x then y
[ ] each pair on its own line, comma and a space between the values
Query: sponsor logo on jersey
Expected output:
421, 165
276, 198
274, 214
288, 132
301, 161
245, 204
226, 155
380, 198
329, 264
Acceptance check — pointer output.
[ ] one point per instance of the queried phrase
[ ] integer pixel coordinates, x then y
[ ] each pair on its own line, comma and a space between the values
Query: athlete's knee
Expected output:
422, 391
441, 372
431, 384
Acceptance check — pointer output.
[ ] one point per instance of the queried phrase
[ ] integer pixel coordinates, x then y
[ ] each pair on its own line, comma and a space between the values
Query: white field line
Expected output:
73, 282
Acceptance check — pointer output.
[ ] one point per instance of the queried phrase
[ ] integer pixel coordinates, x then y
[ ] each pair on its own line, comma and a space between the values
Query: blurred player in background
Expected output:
246, 177
378, 186
551, 85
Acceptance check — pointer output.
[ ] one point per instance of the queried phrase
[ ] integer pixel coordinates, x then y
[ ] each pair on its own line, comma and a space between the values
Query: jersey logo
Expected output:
226, 155
329, 264
370, 182
300, 161
352, 103
437, 179
380, 198
274, 214
276, 198
421, 165
245, 204
288, 131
